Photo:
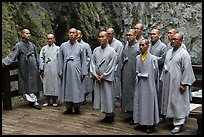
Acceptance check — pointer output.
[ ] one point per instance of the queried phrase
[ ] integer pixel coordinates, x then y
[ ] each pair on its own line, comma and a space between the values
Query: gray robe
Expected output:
177, 70
103, 91
128, 76
118, 46
159, 49
72, 63
48, 62
88, 82
28, 74
145, 110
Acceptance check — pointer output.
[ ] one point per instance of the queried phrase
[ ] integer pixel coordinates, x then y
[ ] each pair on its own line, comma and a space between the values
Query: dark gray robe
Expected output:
28, 74
128, 76
159, 50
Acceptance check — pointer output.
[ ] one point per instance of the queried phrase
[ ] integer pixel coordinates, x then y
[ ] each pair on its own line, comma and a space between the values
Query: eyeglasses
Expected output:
129, 35
142, 45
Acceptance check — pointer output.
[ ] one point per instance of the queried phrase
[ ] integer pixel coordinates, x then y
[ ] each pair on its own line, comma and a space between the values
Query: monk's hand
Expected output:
182, 88
97, 78
82, 77
61, 75
42, 73
101, 78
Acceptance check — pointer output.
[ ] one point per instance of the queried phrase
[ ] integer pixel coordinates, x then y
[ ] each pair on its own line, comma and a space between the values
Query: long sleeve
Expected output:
42, 59
12, 56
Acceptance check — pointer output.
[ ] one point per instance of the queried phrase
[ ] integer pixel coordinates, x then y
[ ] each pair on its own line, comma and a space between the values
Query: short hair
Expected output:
180, 35
131, 30
106, 34
146, 41
111, 29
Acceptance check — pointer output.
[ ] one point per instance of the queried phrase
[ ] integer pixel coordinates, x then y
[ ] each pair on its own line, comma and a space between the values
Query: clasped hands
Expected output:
98, 78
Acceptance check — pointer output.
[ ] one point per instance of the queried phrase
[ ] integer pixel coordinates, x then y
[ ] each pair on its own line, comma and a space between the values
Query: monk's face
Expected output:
171, 32
72, 34
26, 34
138, 29
102, 37
154, 35
79, 36
110, 34
50, 39
143, 46
130, 36
176, 41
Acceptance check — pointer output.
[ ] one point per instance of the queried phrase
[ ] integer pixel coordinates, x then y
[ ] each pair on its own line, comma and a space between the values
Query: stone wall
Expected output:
91, 17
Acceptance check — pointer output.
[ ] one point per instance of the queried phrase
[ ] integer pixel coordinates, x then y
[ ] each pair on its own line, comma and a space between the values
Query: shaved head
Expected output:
111, 30
140, 26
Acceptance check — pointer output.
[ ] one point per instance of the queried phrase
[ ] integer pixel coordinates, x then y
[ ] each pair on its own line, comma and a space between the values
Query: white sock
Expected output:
36, 103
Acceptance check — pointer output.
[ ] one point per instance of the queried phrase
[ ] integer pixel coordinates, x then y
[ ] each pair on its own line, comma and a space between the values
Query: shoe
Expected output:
31, 104
132, 123
84, 102
139, 127
129, 119
177, 129
77, 111
104, 119
150, 129
37, 107
68, 111
162, 120
54, 104
109, 119
45, 104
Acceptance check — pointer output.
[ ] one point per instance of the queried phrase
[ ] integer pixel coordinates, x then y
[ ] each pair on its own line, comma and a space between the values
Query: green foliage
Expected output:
19, 15
89, 17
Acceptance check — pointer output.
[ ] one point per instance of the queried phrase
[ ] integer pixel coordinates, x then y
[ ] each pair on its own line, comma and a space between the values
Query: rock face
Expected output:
91, 17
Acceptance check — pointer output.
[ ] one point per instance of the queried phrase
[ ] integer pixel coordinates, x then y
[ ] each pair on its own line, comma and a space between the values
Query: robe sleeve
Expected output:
36, 55
163, 54
187, 77
42, 59
110, 70
93, 65
156, 72
12, 56
60, 60
84, 70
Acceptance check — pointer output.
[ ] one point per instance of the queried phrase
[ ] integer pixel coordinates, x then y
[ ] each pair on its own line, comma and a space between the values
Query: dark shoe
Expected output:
129, 119
77, 111
68, 111
139, 127
37, 107
150, 129
109, 119
177, 129
162, 120
104, 119
84, 102
31, 104
132, 123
